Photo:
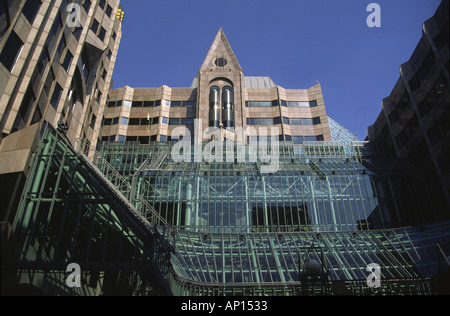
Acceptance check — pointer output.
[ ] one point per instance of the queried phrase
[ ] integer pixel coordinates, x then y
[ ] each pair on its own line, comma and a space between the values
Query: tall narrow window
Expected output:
214, 107
228, 107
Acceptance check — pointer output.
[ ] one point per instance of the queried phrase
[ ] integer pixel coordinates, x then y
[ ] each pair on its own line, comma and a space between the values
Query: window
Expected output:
148, 104
220, 62
127, 103
124, 121
101, 34
134, 121
67, 61
166, 102
285, 120
11, 51
93, 120
164, 120
162, 138
56, 96
295, 121
121, 138
298, 140
30, 9
102, 4
277, 120
175, 104
94, 26
267, 121
108, 10
320, 138
316, 120
87, 5
174, 121
307, 121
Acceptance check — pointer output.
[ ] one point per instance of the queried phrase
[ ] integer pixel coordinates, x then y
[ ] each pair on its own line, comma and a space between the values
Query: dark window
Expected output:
43, 61
144, 139
108, 10
277, 120
87, 5
310, 138
220, 62
115, 121
320, 138
56, 96
155, 120
94, 26
285, 120
67, 61
93, 120
101, 4
30, 9
101, 34
316, 120
24, 110
11, 51
148, 104
134, 121
313, 103
136, 104
174, 121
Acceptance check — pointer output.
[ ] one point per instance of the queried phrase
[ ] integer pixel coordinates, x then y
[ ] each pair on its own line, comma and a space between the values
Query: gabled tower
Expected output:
220, 87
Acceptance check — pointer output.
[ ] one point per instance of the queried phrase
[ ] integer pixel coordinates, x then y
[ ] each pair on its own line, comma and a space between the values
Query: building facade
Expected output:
232, 186
221, 96
413, 124
56, 65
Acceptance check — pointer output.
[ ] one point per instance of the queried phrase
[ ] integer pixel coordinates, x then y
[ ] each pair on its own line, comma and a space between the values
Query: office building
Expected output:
231, 186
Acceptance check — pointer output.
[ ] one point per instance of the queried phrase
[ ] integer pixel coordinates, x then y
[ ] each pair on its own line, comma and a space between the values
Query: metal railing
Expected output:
123, 187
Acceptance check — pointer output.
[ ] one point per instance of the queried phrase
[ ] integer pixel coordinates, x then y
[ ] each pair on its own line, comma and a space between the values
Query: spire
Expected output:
220, 55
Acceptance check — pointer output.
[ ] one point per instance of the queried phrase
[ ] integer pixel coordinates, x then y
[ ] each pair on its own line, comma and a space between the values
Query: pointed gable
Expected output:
220, 56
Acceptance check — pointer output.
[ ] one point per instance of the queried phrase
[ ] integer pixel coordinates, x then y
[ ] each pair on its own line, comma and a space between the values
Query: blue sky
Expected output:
295, 42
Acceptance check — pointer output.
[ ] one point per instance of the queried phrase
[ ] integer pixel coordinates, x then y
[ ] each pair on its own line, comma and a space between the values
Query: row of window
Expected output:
285, 120
148, 121
151, 104
296, 140
290, 104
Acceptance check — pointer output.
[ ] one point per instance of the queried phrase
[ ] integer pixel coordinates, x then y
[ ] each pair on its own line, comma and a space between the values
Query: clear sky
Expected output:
295, 42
